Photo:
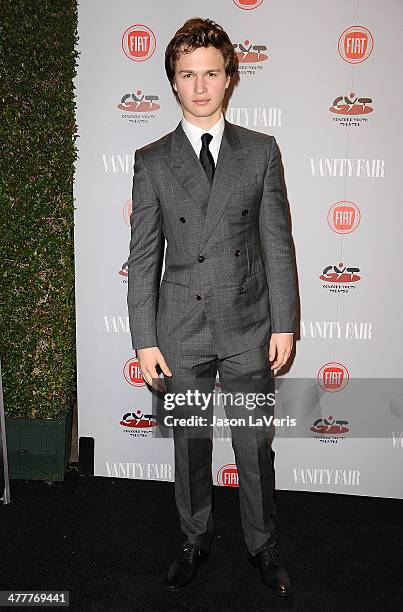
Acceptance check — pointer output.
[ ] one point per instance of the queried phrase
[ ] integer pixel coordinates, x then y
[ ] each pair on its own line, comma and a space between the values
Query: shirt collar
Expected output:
194, 132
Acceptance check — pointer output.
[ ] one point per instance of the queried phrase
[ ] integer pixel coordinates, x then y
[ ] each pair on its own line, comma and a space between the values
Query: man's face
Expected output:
200, 82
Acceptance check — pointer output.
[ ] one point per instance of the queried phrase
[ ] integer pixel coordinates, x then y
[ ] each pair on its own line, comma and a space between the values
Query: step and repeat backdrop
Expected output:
324, 78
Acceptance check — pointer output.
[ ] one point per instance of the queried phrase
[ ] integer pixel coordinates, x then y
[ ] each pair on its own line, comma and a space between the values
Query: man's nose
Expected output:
200, 84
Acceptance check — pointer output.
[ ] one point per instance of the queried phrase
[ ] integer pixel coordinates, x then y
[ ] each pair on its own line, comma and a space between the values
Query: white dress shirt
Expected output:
194, 133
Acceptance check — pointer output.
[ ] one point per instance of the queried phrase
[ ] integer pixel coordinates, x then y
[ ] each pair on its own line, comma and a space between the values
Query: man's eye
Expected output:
212, 74
187, 75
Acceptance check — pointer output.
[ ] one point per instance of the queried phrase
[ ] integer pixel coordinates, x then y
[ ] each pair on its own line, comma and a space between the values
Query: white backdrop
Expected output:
325, 79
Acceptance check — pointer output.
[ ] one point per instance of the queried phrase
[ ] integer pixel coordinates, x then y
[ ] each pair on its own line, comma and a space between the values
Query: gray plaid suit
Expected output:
229, 282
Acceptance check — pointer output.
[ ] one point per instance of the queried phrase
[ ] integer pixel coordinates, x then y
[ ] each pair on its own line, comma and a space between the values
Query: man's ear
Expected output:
228, 82
174, 86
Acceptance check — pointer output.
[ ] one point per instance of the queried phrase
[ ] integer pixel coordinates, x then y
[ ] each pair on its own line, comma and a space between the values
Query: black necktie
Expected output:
206, 158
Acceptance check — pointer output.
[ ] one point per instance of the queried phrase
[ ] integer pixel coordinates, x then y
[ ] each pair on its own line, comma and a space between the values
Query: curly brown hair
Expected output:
197, 32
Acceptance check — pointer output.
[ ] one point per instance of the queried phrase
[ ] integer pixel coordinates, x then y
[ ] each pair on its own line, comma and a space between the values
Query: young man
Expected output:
227, 301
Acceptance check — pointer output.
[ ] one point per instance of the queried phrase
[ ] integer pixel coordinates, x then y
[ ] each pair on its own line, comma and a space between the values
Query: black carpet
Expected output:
109, 542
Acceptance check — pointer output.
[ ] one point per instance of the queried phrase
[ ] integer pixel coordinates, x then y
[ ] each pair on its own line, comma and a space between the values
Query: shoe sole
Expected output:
174, 589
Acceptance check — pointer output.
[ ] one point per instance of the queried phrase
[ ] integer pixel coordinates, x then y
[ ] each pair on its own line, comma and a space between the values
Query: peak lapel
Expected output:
187, 168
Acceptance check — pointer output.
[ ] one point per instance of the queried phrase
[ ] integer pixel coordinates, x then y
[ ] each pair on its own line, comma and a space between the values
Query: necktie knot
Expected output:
206, 157
206, 139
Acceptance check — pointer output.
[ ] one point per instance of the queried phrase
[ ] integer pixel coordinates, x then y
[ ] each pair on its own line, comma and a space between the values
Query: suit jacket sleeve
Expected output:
145, 258
277, 246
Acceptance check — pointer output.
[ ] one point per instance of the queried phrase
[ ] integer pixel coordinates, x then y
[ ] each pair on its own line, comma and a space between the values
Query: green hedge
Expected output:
38, 64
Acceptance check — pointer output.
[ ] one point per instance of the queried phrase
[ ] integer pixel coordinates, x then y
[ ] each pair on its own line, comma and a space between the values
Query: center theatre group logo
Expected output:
344, 217
351, 105
138, 424
137, 107
132, 373
138, 42
124, 272
350, 108
249, 56
249, 53
126, 212
355, 44
227, 475
248, 5
333, 377
330, 429
340, 278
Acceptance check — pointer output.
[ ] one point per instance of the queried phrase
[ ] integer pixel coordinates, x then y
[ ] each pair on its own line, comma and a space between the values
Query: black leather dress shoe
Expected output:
184, 568
271, 571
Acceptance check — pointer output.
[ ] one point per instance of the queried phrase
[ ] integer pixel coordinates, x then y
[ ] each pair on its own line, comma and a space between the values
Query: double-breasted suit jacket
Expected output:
229, 262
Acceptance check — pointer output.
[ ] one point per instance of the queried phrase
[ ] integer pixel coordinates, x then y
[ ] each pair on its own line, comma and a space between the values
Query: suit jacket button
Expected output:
182, 219
200, 259
241, 290
245, 212
237, 253
198, 297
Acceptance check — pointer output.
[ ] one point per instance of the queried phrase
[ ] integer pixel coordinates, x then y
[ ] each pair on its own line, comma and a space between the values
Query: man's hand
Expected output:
280, 350
148, 359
